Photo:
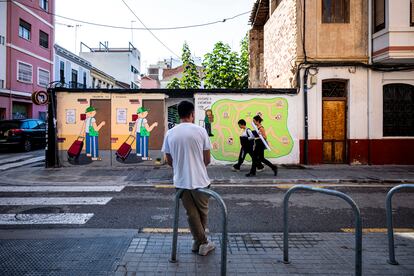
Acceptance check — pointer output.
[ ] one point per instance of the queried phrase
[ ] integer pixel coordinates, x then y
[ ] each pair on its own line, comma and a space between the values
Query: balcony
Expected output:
393, 37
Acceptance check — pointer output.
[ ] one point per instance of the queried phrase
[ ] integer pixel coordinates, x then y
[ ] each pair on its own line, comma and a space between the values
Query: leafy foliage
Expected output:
224, 68
190, 79
174, 84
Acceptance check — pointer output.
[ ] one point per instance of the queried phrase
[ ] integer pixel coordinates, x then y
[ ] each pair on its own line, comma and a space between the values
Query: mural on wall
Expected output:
227, 113
113, 128
92, 133
142, 130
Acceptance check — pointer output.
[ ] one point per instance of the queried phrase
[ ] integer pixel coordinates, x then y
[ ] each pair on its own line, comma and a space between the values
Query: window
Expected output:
44, 4
84, 79
412, 13
379, 15
335, 11
93, 82
1, 84
43, 77
43, 39
24, 29
62, 72
2, 40
134, 70
99, 84
24, 72
398, 110
74, 78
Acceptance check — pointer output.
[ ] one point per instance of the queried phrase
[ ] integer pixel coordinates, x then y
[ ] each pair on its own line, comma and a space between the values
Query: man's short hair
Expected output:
185, 108
241, 122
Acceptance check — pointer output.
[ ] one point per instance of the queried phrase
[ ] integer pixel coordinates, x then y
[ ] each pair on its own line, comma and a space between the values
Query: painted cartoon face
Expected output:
143, 114
91, 114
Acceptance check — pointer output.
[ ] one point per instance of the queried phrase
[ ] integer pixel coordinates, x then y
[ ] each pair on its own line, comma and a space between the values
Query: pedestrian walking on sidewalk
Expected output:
259, 148
247, 143
187, 149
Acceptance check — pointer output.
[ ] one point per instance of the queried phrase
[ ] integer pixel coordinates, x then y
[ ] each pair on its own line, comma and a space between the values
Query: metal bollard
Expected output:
390, 227
211, 193
358, 224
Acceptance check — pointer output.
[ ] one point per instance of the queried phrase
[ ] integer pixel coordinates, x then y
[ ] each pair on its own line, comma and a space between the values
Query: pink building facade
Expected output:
29, 57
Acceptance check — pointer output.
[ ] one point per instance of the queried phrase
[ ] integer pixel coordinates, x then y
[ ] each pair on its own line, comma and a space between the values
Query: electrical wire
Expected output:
129, 28
159, 40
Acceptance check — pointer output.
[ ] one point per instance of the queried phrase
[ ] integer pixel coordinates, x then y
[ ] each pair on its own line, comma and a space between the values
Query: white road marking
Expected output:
24, 189
68, 218
14, 158
5, 201
21, 163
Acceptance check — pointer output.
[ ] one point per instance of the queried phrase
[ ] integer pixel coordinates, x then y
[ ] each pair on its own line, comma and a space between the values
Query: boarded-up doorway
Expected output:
103, 113
156, 114
334, 109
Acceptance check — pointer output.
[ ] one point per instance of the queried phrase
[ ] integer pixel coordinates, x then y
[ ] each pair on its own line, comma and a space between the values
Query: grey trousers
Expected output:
196, 206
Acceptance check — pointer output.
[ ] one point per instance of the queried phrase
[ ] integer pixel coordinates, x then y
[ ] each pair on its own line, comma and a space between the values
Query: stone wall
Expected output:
256, 57
280, 38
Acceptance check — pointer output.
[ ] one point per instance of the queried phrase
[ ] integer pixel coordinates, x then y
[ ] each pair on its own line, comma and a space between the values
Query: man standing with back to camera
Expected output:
187, 149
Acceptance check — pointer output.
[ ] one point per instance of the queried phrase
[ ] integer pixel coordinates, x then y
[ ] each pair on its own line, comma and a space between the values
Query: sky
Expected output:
153, 13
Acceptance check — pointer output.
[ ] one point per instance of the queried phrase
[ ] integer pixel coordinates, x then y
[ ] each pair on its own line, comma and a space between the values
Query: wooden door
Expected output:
156, 114
103, 113
334, 107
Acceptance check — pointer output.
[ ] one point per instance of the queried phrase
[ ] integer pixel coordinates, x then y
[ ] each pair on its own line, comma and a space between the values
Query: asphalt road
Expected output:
250, 209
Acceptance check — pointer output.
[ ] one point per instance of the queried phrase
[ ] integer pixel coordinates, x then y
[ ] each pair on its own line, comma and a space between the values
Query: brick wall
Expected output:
280, 38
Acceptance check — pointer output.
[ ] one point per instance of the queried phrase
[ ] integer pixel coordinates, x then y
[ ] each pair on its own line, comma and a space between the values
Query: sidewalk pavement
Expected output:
126, 252
220, 175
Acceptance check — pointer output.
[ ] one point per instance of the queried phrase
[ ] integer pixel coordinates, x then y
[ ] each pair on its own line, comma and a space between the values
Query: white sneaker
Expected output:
206, 248
260, 170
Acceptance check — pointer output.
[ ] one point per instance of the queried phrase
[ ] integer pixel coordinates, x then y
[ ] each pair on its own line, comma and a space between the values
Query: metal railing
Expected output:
358, 224
390, 227
224, 234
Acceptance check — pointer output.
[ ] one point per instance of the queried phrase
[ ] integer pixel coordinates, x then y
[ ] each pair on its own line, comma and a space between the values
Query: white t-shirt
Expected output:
140, 122
185, 143
89, 122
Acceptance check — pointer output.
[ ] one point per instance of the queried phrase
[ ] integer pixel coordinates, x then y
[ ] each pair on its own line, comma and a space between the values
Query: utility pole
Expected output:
132, 32
76, 37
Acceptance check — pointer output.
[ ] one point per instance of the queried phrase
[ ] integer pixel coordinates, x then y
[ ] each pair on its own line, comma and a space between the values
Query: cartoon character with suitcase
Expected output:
142, 130
92, 134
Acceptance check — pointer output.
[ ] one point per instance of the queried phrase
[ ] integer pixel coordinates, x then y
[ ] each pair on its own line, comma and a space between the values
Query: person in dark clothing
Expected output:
247, 143
259, 148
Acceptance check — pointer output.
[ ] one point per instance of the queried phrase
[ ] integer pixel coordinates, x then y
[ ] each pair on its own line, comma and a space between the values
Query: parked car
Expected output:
24, 134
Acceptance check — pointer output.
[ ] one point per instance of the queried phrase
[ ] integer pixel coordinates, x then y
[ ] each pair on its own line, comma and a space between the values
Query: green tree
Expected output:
224, 68
220, 67
244, 62
190, 78
174, 84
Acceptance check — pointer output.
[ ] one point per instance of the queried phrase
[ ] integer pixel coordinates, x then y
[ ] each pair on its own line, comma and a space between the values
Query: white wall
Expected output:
116, 64
379, 79
3, 33
69, 65
357, 102
205, 101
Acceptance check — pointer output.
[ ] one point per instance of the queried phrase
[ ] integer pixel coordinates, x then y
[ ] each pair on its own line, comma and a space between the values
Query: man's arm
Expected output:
206, 157
169, 159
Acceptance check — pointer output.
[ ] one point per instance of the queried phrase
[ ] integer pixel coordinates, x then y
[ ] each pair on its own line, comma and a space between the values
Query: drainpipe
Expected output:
305, 103
369, 78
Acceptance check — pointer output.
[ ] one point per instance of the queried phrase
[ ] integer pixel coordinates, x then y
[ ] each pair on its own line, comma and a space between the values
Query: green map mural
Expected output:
227, 113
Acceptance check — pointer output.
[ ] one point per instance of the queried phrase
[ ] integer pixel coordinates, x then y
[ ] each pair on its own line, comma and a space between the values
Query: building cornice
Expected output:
24, 51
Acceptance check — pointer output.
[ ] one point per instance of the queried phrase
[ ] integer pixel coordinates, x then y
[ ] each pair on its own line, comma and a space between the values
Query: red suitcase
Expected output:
125, 149
76, 147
